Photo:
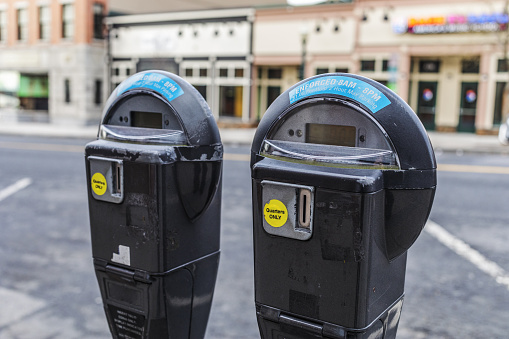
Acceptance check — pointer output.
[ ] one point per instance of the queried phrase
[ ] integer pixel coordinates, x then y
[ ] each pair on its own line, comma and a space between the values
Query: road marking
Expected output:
16, 187
244, 157
16, 306
236, 157
42, 147
464, 250
473, 169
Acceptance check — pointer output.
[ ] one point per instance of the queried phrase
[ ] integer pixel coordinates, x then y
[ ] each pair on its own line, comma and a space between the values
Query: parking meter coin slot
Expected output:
107, 179
288, 210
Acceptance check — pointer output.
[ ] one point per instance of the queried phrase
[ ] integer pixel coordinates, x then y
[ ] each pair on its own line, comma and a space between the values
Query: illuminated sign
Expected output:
452, 24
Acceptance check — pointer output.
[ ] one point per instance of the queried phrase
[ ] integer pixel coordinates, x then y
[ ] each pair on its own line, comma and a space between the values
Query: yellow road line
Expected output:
473, 169
243, 157
42, 147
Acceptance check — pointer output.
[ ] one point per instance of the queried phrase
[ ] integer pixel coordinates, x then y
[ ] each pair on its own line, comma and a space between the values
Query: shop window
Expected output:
503, 65
470, 66
98, 88
385, 65
341, 70
239, 72
499, 103
22, 23
368, 65
223, 72
230, 101
272, 93
44, 23
189, 72
98, 21
67, 21
429, 66
322, 71
202, 89
275, 73
67, 90
203, 72
3, 26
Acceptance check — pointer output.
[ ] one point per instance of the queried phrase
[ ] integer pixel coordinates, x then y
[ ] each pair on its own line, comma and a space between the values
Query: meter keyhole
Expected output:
304, 208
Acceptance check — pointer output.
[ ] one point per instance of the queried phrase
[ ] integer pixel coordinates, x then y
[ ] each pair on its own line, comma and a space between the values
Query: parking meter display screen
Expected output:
147, 120
337, 135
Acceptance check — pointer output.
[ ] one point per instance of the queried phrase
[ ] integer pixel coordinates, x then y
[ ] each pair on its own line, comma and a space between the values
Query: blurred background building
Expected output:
448, 60
52, 60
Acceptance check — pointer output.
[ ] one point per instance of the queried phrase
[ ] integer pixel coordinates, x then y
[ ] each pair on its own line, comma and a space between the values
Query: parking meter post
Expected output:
343, 180
154, 193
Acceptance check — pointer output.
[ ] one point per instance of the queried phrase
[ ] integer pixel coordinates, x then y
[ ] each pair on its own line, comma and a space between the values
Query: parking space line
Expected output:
473, 169
464, 250
42, 147
16, 187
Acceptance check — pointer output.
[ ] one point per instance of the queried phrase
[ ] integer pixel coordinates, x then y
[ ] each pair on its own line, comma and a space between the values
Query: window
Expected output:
67, 90
368, 65
98, 21
98, 98
429, 66
223, 72
230, 101
203, 72
3, 26
341, 70
22, 17
272, 93
275, 73
322, 71
44, 23
502, 66
470, 66
385, 65
68, 21
189, 72
499, 102
239, 72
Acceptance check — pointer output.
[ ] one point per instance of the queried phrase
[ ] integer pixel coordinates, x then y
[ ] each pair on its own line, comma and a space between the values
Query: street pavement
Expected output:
442, 142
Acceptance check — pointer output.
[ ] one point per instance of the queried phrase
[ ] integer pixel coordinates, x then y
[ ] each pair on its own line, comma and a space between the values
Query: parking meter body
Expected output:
343, 180
154, 192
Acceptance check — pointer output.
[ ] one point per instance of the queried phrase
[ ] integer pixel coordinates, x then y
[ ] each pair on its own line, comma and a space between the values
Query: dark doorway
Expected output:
468, 107
426, 103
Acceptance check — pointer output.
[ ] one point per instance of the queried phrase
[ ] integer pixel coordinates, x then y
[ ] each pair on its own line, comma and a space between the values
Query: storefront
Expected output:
211, 50
445, 59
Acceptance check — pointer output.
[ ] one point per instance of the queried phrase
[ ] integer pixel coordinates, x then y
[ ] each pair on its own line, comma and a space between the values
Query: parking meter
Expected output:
154, 193
343, 179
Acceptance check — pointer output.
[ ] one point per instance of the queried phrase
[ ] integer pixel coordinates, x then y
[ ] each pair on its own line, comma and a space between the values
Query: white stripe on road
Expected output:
16, 187
464, 250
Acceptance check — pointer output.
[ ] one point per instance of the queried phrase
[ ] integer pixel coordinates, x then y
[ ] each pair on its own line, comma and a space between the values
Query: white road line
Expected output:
464, 250
16, 187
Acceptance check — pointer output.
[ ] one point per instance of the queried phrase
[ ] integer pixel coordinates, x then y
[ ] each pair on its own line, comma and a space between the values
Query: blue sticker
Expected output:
154, 81
352, 88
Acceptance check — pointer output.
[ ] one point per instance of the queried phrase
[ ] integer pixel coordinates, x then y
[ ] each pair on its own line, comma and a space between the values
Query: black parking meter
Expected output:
154, 192
343, 178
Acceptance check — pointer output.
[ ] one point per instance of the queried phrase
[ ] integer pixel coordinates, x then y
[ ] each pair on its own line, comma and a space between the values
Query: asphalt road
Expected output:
457, 282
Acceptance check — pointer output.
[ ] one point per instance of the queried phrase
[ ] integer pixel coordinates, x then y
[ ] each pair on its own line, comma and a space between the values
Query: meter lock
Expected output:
287, 209
107, 179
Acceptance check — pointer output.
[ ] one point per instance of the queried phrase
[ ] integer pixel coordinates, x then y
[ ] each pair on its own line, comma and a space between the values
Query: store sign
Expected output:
452, 24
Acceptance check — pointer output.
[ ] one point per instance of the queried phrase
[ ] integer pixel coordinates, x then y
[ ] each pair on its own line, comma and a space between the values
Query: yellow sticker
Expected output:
275, 213
99, 184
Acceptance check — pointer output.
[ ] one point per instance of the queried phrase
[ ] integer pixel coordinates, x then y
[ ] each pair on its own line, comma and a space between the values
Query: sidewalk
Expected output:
442, 142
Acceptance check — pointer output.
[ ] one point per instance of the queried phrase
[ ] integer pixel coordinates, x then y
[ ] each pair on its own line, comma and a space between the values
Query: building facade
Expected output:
448, 60
210, 49
53, 60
